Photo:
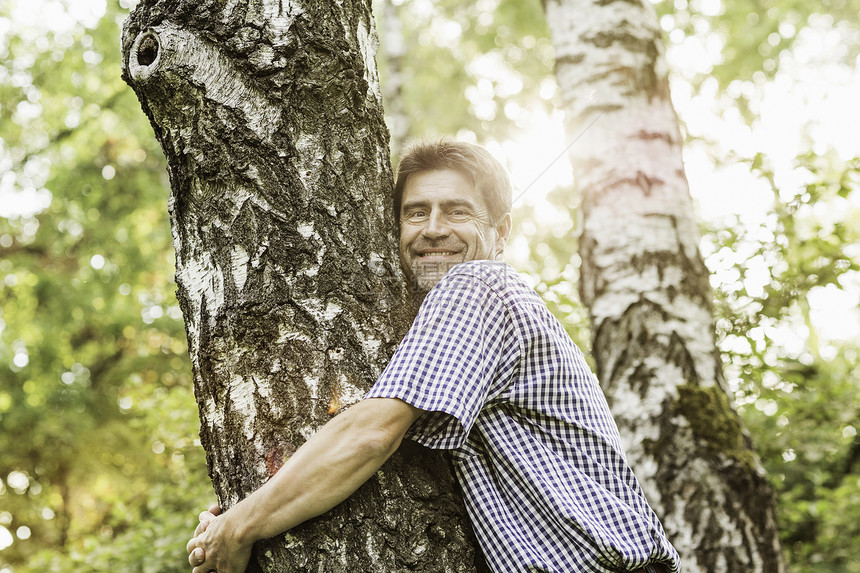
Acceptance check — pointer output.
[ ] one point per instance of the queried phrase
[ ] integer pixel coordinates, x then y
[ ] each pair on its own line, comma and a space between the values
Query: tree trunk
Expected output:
647, 291
394, 52
269, 114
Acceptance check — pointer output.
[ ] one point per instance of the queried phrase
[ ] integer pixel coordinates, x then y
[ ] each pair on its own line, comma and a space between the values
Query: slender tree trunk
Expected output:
394, 52
269, 114
647, 291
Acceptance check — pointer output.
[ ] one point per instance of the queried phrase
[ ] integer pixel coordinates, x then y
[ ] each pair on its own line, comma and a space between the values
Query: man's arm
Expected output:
323, 472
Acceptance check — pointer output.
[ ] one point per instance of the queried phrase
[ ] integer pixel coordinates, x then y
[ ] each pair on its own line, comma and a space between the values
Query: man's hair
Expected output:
487, 175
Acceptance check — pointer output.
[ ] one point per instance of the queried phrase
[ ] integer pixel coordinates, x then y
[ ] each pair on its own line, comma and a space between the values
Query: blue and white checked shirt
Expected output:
535, 447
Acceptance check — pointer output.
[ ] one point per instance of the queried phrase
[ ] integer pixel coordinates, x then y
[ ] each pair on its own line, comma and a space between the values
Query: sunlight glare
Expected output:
537, 159
58, 17
6, 538
811, 98
834, 312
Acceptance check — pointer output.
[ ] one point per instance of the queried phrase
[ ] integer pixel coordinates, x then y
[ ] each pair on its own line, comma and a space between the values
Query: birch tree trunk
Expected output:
647, 290
269, 113
394, 52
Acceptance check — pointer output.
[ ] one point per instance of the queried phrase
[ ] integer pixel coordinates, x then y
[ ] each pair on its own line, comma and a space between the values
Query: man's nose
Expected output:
436, 226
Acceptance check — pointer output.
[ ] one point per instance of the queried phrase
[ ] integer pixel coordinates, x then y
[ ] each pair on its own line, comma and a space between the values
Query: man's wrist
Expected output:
239, 526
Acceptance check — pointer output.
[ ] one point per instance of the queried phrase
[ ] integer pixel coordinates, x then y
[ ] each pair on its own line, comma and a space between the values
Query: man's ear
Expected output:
503, 233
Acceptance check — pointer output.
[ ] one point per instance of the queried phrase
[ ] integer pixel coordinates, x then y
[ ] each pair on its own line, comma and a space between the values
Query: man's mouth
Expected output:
435, 253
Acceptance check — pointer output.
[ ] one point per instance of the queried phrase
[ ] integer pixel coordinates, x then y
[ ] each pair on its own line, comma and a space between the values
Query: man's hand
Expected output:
196, 554
215, 547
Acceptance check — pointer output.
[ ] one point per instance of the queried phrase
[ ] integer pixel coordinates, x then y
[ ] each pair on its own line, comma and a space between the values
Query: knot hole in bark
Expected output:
147, 50
145, 56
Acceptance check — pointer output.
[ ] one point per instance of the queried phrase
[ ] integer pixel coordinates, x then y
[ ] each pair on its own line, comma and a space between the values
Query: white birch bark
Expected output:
647, 290
394, 52
269, 113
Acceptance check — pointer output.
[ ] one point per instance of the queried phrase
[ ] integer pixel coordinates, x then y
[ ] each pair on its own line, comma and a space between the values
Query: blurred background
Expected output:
100, 467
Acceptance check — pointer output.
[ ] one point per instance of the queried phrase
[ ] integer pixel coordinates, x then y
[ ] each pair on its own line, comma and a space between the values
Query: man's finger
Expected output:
192, 544
196, 557
201, 527
205, 516
215, 509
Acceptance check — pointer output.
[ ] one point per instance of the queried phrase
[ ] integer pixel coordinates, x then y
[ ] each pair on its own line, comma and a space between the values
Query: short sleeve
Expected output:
452, 360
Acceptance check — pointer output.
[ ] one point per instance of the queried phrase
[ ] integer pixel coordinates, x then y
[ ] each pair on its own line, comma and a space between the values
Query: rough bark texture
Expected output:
647, 291
269, 114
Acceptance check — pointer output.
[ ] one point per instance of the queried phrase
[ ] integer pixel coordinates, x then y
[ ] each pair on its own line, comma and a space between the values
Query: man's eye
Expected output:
416, 214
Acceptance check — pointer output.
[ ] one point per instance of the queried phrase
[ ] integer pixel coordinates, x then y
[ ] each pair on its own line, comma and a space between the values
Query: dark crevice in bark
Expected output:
569, 60
636, 81
631, 333
664, 136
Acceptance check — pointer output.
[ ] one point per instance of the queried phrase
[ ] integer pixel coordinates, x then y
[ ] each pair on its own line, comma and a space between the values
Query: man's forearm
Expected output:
329, 467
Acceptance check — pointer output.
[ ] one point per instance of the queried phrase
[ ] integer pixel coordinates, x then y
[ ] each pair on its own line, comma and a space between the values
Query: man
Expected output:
485, 372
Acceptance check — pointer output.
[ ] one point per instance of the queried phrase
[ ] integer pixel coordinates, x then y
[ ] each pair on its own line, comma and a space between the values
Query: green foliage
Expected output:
754, 34
799, 395
471, 66
98, 465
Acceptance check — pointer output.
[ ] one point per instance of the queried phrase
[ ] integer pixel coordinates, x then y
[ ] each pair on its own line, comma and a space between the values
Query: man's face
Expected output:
444, 220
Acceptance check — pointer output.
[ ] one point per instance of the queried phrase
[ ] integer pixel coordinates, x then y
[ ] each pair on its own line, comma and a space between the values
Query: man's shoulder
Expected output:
486, 280
482, 282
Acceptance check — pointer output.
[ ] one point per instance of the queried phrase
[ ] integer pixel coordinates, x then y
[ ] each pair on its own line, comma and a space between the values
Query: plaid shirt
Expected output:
535, 447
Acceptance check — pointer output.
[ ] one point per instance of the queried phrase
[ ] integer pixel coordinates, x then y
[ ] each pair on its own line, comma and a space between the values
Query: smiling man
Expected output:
445, 217
485, 372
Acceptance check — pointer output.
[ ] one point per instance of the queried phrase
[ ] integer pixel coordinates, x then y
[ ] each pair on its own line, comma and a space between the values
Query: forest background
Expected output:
100, 468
